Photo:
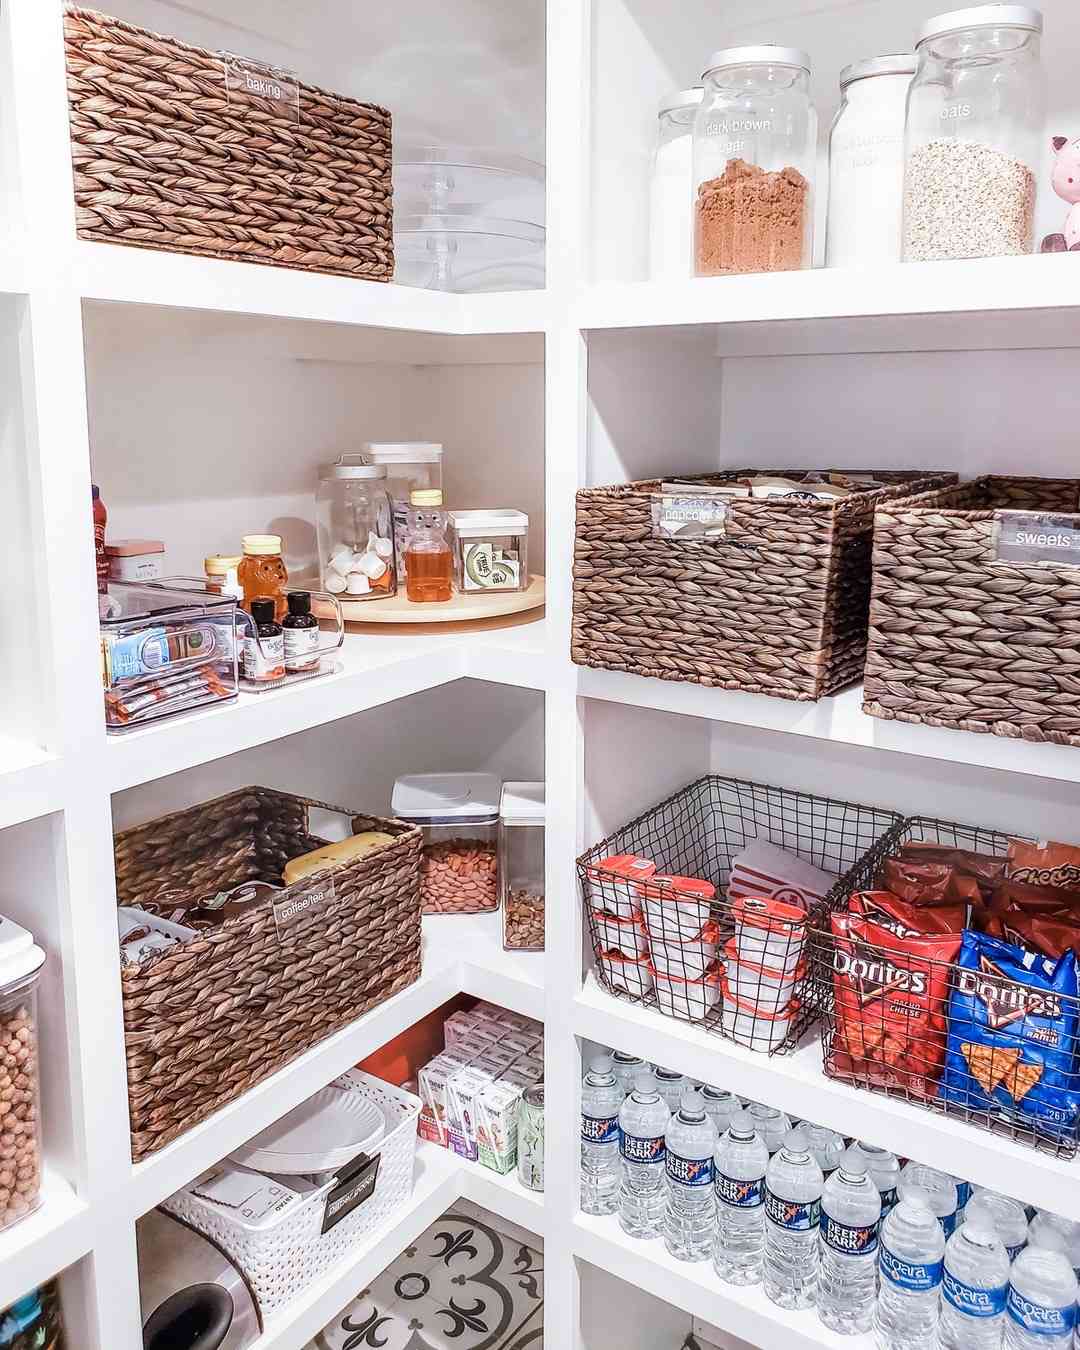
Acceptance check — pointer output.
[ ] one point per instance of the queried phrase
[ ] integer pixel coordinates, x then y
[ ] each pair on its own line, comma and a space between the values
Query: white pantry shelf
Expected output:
59, 1233
513, 980
376, 669
694, 1287
839, 719
30, 781
796, 1084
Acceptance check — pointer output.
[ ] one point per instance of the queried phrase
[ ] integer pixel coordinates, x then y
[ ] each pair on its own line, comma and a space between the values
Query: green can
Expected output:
531, 1138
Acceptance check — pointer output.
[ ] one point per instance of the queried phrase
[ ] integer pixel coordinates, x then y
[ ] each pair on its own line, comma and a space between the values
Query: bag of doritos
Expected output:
1012, 1036
905, 920
891, 994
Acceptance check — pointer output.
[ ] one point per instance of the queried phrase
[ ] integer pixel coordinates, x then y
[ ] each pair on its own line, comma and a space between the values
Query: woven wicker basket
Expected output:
778, 606
166, 155
960, 639
205, 1022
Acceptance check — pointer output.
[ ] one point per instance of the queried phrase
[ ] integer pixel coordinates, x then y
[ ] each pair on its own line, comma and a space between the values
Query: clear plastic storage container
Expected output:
468, 253
166, 648
411, 466
866, 163
459, 816
974, 139
20, 1108
491, 550
355, 523
521, 866
671, 217
755, 156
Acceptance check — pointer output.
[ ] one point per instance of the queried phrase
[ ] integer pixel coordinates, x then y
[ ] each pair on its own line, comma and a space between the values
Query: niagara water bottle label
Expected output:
948, 1224
795, 1215
689, 1171
888, 1202
740, 1194
1014, 1252
971, 1300
1038, 1319
911, 1275
599, 1129
636, 1149
857, 1240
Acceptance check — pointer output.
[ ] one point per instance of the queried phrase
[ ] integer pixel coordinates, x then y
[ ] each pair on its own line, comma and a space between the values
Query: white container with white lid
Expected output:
20, 957
521, 865
411, 466
491, 550
458, 814
20, 962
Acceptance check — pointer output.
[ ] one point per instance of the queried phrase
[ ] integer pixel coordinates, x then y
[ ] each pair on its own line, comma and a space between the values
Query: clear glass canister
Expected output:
755, 153
411, 466
459, 816
521, 865
866, 163
491, 550
671, 222
20, 1113
355, 525
973, 145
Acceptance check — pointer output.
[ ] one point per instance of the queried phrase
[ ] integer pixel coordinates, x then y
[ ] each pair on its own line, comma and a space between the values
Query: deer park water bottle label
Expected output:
637, 1149
689, 1171
1038, 1319
599, 1129
971, 1300
917, 1277
795, 1215
848, 1239
740, 1194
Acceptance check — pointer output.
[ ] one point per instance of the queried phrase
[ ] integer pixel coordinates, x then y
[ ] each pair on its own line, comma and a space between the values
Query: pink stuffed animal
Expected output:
1066, 182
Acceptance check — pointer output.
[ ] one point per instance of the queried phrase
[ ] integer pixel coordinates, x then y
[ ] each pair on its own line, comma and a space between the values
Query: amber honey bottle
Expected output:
262, 572
429, 563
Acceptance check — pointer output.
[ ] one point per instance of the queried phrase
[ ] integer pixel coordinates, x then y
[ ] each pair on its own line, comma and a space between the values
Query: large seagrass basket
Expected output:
207, 1020
777, 606
975, 617
176, 148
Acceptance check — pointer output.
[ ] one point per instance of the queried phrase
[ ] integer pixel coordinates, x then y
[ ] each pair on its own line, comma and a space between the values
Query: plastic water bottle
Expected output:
1041, 1307
910, 1265
741, 1162
671, 1086
974, 1288
964, 1192
1005, 1216
643, 1122
884, 1169
792, 1220
626, 1069
601, 1098
850, 1213
772, 1125
940, 1187
720, 1106
691, 1208
827, 1147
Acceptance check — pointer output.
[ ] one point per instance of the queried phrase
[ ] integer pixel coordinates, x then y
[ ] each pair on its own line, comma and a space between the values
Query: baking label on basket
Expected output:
355, 1184
1038, 539
304, 907
690, 516
278, 90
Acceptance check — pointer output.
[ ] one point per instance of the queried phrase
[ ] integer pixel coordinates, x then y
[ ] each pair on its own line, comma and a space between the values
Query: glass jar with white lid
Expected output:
866, 163
671, 217
355, 528
975, 127
411, 466
755, 159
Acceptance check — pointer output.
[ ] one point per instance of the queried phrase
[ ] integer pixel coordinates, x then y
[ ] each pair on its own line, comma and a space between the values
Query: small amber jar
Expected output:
263, 573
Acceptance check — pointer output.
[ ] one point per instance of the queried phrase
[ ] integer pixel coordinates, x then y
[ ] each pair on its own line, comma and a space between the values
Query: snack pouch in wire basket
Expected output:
1012, 1036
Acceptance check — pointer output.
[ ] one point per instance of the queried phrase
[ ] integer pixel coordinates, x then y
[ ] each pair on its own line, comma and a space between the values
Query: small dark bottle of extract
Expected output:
264, 657
301, 631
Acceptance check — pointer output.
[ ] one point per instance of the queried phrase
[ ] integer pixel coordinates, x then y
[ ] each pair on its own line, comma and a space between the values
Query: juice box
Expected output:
496, 1125
462, 1091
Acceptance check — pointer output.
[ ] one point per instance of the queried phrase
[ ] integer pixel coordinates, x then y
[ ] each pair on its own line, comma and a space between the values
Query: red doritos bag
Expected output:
904, 920
891, 995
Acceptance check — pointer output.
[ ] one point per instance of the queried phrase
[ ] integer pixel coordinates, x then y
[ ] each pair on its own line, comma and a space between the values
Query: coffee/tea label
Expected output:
1037, 538
303, 907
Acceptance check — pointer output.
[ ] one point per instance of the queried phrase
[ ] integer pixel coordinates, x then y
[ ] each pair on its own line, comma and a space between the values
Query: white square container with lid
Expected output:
458, 814
521, 865
411, 466
491, 550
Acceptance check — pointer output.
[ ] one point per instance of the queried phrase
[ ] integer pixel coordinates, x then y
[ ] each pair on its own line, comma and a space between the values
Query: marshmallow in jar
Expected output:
866, 163
355, 528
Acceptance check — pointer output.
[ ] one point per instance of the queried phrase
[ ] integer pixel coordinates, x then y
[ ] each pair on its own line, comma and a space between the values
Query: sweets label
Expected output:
304, 908
1036, 538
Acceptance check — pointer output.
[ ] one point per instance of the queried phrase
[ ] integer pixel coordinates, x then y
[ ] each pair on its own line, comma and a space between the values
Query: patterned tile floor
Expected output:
462, 1286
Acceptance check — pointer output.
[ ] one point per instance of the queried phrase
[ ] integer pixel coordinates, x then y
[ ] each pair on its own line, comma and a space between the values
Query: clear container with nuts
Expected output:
521, 866
20, 1116
459, 816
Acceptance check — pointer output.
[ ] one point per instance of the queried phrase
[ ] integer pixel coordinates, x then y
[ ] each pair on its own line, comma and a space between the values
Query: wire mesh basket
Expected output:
693, 909
970, 1022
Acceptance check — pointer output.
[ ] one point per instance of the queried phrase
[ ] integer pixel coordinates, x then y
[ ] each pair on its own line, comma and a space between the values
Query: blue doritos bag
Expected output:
1012, 1036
